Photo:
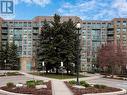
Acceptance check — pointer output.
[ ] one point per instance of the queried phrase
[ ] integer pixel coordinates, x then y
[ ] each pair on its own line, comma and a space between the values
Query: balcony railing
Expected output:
110, 26
4, 31
110, 32
4, 37
4, 25
35, 31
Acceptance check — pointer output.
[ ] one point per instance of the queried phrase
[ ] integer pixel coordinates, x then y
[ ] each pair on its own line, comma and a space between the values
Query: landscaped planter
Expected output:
94, 89
25, 90
11, 93
123, 91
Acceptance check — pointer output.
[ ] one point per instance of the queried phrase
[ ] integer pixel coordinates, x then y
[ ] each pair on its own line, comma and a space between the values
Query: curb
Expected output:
84, 78
10, 93
110, 93
53, 92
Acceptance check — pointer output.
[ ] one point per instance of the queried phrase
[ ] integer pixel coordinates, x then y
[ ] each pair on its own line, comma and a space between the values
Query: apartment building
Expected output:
120, 32
94, 33
25, 33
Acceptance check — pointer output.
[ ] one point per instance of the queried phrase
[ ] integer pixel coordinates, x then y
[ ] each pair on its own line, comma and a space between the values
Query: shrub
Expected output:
84, 83
73, 82
12, 73
31, 83
10, 84
100, 86
39, 82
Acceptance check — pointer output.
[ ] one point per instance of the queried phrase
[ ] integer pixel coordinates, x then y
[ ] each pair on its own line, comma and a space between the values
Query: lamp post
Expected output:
5, 63
43, 64
78, 26
73, 66
62, 69
5, 66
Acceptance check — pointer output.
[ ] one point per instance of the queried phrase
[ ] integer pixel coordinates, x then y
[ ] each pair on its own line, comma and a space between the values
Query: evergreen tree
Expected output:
9, 54
69, 52
44, 45
2, 58
12, 59
57, 43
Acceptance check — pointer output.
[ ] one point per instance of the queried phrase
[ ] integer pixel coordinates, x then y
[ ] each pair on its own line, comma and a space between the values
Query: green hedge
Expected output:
84, 83
100, 86
33, 83
73, 82
10, 84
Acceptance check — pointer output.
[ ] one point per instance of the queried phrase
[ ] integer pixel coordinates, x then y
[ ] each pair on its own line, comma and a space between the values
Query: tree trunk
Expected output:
46, 70
113, 69
67, 68
57, 70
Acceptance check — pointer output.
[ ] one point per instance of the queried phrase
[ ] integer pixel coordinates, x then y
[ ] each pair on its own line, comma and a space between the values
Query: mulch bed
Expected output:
33, 91
88, 90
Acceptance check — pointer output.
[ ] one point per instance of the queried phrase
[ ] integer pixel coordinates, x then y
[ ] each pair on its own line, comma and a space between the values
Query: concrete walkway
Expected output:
59, 88
36, 77
90, 77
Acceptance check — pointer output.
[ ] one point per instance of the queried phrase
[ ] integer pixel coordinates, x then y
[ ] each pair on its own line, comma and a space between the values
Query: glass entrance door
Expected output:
29, 66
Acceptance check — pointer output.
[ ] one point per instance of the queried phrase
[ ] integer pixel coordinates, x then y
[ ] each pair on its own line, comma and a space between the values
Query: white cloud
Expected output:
95, 9
37, 2
121, 6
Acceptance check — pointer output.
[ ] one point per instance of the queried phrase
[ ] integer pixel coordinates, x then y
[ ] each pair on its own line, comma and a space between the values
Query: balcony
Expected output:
96, 27
4, 31
35, 25
4, 37
4, 43
110, 33
4, 25
110, 39
110, 26
35, 31
35, 37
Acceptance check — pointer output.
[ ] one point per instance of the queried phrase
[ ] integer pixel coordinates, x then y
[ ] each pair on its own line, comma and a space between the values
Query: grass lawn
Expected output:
10, 74
56, 76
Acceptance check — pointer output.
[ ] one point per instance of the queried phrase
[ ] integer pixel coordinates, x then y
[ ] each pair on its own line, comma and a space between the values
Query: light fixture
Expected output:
78, 25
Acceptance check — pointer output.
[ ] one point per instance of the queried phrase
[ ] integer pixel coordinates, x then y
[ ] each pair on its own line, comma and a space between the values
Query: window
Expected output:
118, 29
118, 37
124, 23
24, 52
118, 22
20, 23
88, 25
29, 52
29, 24
124, 37
88, 59
25, 24
24, 46
124, 30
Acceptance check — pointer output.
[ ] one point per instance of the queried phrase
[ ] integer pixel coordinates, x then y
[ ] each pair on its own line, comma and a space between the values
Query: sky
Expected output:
85, 9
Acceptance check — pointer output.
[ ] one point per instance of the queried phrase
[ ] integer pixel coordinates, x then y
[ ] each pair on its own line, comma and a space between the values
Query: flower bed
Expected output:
89, 88
29, 89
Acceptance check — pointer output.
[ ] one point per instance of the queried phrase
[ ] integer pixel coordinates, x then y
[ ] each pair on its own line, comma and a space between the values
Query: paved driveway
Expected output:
110, 82
15, 79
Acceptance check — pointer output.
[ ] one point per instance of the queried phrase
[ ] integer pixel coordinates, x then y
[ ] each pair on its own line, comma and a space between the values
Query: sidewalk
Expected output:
90, 77
36, 77
59, 88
